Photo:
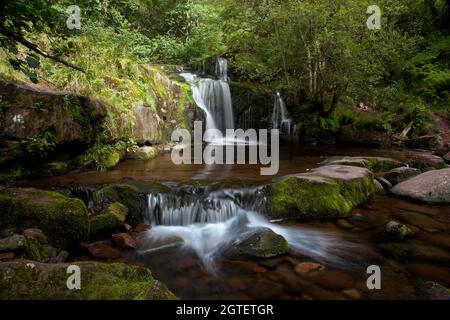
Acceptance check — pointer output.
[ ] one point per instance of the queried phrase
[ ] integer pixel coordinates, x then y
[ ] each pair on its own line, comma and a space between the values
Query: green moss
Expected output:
34, 250
64, 220
113, 217
312, 196
116, 281
127, 194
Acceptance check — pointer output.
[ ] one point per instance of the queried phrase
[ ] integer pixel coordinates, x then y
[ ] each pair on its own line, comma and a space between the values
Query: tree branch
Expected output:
20, 39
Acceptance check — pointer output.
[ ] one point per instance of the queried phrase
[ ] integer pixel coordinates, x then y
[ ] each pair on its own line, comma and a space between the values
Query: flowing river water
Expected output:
207, 207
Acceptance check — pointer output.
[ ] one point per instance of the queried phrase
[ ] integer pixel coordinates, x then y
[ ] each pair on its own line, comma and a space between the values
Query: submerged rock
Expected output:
430, 187
397, 175
258, 243
64, 220
324, 192
397, 231
116, 281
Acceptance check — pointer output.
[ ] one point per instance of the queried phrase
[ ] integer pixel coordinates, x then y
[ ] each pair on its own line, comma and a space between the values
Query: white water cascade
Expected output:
280, 116
213, 97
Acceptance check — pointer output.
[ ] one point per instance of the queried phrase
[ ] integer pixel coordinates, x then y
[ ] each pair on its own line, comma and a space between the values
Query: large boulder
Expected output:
64, 220
113, 217
430, 187
23, 279
429, 142
325, 192
355, 134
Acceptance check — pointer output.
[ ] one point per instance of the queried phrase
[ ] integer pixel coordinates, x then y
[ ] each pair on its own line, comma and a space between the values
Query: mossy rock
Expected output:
127, 194
53, 169
64, 220
23, 279
260, 243
144, 153
375, 164
113, 217
34, 250
325, 192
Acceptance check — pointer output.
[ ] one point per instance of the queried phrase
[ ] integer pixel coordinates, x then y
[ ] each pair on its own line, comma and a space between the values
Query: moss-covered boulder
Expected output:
64, 220
113, 217
325, 192
143, 153
258, 243
23, 279
375, 164
128, 194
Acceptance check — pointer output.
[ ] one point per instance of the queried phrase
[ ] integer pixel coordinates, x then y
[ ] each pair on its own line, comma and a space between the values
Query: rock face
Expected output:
328, 191
430, 142
258, 243
397, 175
430, 187
22, 279
358, 135
64, 220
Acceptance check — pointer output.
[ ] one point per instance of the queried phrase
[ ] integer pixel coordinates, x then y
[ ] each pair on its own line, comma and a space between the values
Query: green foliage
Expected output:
39, 147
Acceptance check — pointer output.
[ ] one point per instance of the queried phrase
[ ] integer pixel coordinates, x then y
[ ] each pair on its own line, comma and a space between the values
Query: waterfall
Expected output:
280, 116
214, 97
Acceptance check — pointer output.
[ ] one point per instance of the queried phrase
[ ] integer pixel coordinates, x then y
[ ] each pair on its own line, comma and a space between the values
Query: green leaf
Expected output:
33, 62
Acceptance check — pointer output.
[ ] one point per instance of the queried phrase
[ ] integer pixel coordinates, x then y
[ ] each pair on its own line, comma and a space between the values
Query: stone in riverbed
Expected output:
113, 217
396, 231
430, 187
325, 192
421, 253
64, 220
307, 268
112, 281
397, 175
142, 227
384, 183
124, 241
258, 243
102, 250
419, 220
374, 164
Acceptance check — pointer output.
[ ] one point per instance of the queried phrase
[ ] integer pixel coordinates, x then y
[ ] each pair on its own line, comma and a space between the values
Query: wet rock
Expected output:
308, 268
353, 294
430, 187
143, 153
7, 256
265, 289
259, 269
344, 224
429, 142
419, 220
431, 272
124, 241
374, 164
396, 231
102, 250
334, 280
439, 240
12, 243
37, 234
129, 194
397, 175
403, 251
384, 182
142, 227
433, 291
258, 243
324, 192
100, 281
64, 220
113, 217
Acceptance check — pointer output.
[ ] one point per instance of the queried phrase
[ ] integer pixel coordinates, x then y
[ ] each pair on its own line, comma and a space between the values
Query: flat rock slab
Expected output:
371, 163
430, 187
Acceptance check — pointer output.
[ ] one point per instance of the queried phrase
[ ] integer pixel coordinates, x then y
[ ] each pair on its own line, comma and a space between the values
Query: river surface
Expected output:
195, 269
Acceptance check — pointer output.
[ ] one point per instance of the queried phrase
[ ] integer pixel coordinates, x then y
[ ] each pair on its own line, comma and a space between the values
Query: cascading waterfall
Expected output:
209, 222
280, 116
214, 97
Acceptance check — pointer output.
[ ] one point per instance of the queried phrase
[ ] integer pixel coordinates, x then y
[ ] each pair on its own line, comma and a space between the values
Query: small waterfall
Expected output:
214, 97
280, 116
